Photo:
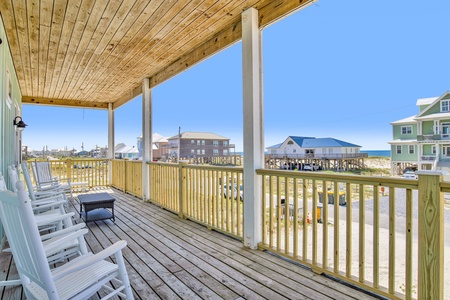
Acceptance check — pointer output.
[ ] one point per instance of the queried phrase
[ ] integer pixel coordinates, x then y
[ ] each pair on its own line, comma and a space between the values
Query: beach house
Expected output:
199, 144
311, 147
422, 141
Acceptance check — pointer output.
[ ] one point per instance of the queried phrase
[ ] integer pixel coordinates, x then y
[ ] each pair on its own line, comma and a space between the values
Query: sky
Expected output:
341, 69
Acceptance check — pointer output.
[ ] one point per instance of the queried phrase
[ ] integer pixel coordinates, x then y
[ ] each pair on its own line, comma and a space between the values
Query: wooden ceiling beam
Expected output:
64, 102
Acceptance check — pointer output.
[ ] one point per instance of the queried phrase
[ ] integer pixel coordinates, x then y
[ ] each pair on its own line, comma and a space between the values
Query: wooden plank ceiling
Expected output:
88, 53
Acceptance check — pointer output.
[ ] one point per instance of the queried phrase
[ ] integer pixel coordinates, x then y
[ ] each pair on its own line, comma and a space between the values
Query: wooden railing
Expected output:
93, 171
127, 176
385, 237
372, 241
201, 194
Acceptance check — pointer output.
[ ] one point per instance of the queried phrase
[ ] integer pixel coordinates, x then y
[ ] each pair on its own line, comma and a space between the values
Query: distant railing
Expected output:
428, 158
93, 171
319, 156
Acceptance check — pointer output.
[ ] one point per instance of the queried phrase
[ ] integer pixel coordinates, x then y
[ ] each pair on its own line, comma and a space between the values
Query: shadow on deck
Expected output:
171, 258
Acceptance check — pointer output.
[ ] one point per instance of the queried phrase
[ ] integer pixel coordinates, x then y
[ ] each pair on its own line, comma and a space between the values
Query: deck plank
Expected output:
171, 258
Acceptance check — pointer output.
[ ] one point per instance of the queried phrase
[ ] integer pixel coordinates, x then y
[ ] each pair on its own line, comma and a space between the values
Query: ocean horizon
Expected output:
384, 153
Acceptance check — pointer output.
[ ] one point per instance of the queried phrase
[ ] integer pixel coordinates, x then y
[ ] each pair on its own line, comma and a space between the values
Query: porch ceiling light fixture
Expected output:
19, 123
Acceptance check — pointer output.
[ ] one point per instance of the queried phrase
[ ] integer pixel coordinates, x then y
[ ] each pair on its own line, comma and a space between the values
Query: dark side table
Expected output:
97, 205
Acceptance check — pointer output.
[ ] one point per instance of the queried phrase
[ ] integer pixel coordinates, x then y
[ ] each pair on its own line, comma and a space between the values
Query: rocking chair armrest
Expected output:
90, 259
38, 207
48, 193
50, 198
65, 179
56, 242
62, 232
52, 219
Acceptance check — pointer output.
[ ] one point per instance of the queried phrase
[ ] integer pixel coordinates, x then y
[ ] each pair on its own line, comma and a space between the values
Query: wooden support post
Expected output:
431, 236
146, 137
253, 126
110, 141
182, 189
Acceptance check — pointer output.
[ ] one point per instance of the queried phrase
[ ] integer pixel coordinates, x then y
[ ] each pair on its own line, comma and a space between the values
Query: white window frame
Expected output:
398, 149
216, 143
411, 149
433, 149
445, 130
445, 105
406, 130
215, 151
225, 152
203, 151
225, 143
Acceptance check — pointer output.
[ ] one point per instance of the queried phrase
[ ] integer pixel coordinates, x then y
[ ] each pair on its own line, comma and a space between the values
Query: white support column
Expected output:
110, 139
146, 137
253, 126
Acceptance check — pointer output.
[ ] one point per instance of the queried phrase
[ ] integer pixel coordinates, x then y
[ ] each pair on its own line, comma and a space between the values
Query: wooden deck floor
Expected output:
171, 258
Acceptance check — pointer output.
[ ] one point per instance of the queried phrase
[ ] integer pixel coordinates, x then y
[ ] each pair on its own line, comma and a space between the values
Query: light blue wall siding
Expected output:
397, 132
10, 105
405, 155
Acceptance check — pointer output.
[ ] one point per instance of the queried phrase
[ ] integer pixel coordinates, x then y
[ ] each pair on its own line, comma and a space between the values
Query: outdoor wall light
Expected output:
19, 123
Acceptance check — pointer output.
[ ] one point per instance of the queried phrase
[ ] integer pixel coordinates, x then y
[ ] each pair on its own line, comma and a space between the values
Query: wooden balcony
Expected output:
171, 258
387, 238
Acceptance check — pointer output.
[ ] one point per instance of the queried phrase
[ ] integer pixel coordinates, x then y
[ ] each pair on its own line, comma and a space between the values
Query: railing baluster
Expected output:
279, 214
376, 236
305, 221
392, 239
362, 233
336, 227
325, 225
271, 211
408, 271
295, 218
314, 232
287, 216
349, 227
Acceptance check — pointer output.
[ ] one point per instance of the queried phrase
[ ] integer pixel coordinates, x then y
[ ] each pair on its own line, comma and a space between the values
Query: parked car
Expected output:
227, 190
409, 174
310, 167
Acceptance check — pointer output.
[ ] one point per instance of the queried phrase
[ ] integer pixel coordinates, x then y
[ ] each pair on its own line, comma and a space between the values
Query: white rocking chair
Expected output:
78, 279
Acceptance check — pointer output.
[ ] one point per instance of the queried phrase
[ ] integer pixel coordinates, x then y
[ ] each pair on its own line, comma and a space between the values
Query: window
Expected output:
445, 130
290, 143
203, 142
225, 143
398, 149
192, 151
198, 152
192, 142
406, 129
198, 142
215, 143
445, 105
225, 152
294, 150
203, 151
433, 149
411, 149
215, 152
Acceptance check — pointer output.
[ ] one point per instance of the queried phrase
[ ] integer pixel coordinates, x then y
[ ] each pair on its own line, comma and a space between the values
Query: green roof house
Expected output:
423, 141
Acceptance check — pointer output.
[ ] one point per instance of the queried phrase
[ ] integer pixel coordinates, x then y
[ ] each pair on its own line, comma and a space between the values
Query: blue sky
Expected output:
342, 69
